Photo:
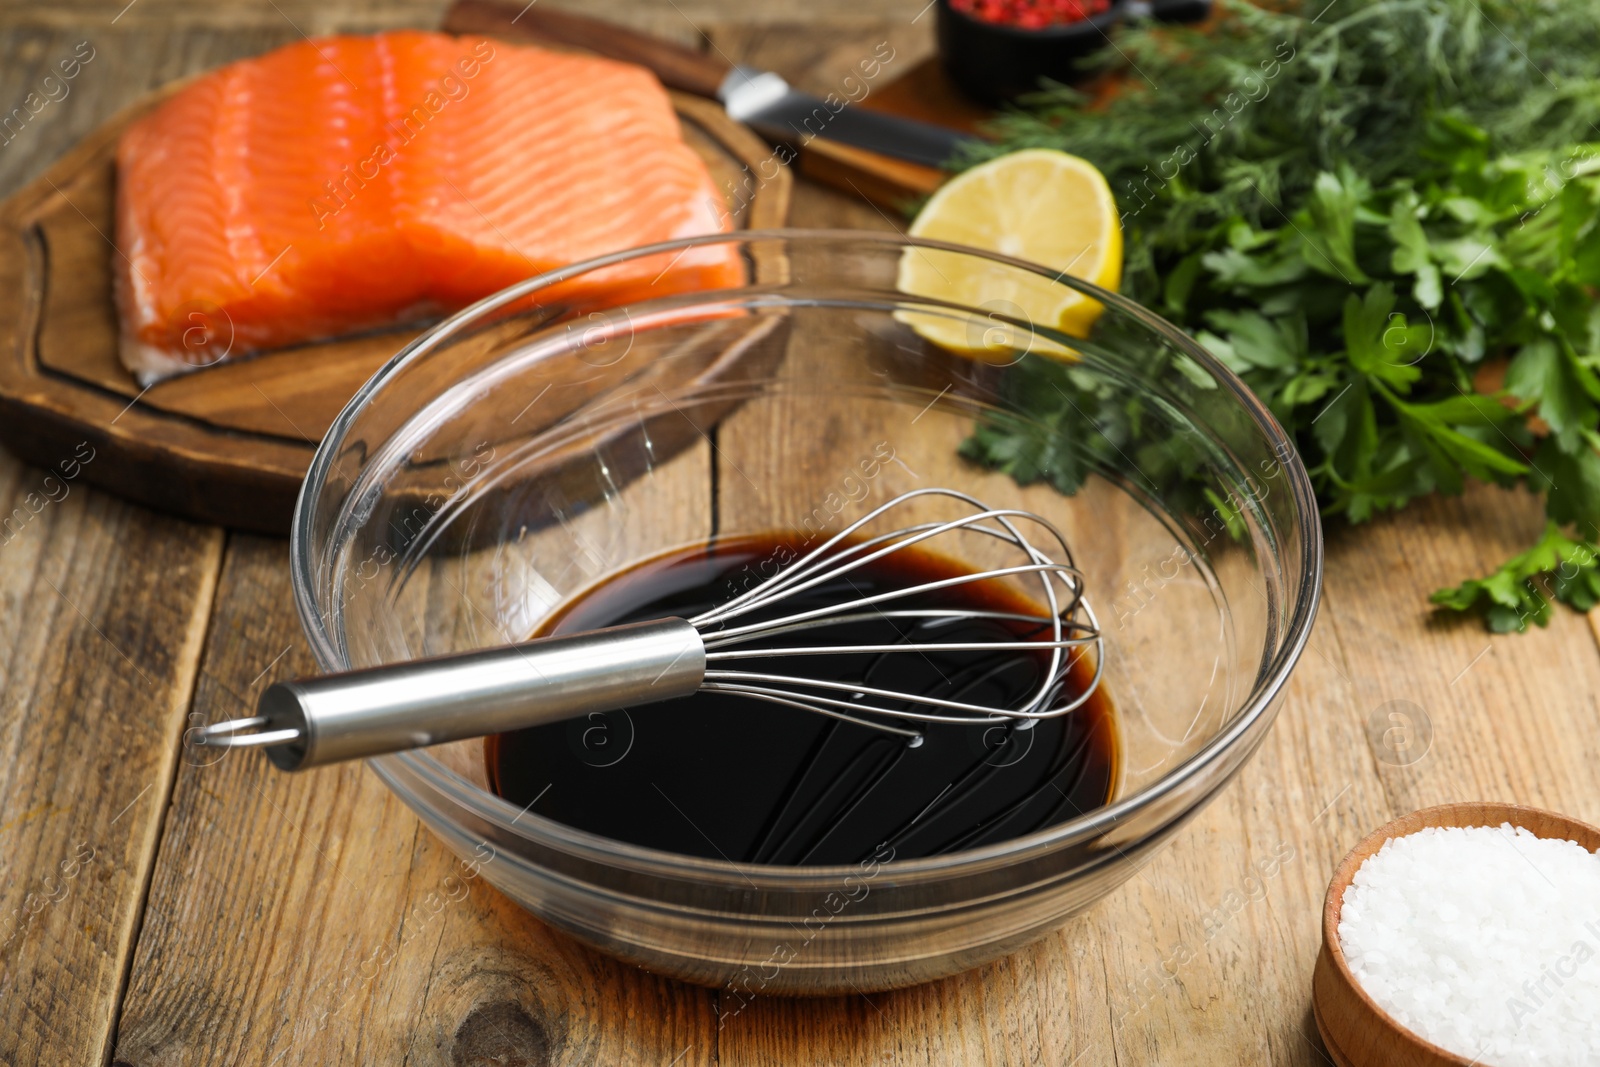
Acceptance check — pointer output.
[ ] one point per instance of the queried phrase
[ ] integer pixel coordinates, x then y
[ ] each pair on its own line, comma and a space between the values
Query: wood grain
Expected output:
274, 900
678, 66
344, 932
1240, 941
106, 606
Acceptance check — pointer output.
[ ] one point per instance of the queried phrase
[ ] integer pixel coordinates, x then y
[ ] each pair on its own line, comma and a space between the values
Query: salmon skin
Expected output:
348, 183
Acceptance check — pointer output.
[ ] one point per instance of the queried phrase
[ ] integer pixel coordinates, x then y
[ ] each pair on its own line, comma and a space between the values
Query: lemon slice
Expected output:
1044, 206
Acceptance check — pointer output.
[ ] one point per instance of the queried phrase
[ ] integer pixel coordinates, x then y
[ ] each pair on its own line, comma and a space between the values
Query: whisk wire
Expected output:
935, 615
719, 637
837, 557
822, 565
406, 705
798, 579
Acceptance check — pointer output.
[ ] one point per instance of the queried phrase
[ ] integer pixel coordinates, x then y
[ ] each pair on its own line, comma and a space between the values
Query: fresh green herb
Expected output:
1359, 207
1557, 568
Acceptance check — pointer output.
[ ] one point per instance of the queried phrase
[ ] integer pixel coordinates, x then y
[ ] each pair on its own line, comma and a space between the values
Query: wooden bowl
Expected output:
1357, 1032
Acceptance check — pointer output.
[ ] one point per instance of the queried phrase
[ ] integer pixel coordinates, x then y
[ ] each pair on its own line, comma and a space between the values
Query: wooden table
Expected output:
161, 912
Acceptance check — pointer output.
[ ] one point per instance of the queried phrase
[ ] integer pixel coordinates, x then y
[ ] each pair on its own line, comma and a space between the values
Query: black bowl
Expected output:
995, 63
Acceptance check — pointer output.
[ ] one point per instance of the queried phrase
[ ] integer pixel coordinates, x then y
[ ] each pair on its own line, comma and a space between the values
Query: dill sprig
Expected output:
1304, 188
1352, 82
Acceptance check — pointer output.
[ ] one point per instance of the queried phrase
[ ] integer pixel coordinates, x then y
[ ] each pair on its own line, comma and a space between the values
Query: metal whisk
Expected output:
312, 721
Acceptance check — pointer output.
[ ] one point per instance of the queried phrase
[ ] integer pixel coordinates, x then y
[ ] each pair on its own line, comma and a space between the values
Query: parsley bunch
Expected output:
1369, 210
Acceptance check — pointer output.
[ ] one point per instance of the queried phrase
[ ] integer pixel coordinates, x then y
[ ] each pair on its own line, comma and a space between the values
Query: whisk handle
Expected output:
446, 698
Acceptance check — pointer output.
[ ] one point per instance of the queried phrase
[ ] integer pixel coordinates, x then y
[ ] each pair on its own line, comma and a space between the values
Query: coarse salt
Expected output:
1483, 940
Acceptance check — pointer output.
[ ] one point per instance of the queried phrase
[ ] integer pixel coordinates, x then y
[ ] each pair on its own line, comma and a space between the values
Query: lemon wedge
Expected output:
1040, 205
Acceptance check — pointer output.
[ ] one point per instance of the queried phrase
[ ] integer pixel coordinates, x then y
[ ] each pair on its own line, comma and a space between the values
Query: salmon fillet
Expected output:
347, 183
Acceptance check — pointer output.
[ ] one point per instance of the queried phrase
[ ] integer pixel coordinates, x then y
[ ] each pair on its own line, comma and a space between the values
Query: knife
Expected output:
769, 105
759, 99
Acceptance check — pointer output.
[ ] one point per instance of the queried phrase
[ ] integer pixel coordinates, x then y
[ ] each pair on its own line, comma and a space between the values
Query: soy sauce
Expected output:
723, 776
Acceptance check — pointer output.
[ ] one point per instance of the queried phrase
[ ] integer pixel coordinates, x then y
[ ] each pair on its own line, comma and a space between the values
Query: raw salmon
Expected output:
347, 183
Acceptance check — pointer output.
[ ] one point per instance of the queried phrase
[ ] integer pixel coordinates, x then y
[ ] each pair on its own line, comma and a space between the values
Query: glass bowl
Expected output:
590, 418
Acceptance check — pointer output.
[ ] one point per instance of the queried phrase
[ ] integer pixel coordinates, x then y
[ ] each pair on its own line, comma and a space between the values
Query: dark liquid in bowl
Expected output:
728, 777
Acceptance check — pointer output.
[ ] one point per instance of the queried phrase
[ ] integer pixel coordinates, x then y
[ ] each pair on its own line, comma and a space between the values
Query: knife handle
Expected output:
1180, 10
677, 67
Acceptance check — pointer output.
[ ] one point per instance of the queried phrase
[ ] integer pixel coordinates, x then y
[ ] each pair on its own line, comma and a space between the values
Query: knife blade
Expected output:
778, 111
760, 99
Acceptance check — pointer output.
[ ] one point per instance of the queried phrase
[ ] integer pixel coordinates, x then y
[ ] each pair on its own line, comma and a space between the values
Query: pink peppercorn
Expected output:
1031, 14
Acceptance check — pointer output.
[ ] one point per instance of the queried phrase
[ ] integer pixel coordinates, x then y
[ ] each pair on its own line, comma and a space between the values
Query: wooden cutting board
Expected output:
231, 443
